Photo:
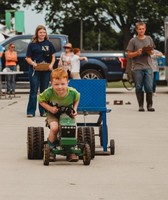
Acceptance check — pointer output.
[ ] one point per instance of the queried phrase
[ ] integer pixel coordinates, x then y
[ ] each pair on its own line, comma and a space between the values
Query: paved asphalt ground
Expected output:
138, 170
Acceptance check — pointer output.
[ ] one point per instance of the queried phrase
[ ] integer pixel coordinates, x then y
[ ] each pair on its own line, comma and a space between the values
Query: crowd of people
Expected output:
144, 66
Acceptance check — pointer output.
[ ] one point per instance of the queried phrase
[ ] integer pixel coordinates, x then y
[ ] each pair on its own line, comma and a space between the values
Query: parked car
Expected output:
110, 66
21, 43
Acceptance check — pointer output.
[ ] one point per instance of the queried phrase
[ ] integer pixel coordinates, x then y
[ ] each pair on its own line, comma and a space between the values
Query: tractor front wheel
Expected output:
86, 154
46, 156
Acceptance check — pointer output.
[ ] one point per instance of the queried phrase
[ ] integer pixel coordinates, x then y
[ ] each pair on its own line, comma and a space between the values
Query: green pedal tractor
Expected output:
71, 140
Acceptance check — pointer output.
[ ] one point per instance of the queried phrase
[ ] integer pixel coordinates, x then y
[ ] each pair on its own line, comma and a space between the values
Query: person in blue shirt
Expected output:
40, 50
1, 54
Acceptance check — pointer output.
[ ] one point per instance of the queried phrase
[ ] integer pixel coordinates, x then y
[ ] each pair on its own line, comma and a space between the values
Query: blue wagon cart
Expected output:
93, 102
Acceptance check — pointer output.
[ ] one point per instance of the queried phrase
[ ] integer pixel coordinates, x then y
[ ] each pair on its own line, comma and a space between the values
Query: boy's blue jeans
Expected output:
38, 80
143, 80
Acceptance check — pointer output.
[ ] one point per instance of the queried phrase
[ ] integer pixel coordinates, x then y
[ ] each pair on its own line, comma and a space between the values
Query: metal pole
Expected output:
81, 34
99, 40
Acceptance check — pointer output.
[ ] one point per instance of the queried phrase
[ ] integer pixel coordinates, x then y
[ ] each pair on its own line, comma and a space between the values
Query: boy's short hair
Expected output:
76, 50
140, 24
59, 73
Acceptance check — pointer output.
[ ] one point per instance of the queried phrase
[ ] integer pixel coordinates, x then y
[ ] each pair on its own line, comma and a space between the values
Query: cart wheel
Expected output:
86, 155
112, 147
35, 140
101, 134
90, 139
46, 156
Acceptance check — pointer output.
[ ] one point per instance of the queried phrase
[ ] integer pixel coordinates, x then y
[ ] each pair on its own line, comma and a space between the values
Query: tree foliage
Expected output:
7, 5
102, 14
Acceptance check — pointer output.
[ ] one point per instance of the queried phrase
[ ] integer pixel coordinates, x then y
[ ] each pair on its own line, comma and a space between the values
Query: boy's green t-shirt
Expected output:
50, 96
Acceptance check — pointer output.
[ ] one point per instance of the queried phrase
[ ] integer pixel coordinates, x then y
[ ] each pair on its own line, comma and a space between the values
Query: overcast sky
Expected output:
32, 20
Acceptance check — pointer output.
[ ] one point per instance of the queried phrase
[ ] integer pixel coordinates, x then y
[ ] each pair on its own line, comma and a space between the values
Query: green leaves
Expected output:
102, 14
7, 5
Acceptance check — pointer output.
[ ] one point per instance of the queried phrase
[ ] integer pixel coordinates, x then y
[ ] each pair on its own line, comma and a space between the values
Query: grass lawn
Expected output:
118, 84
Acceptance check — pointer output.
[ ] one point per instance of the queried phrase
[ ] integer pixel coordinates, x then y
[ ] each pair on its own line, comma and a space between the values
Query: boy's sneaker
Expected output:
52, 157
73, 158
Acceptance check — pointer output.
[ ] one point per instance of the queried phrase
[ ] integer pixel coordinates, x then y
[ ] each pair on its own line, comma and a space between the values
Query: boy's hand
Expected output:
74, 113
53, 109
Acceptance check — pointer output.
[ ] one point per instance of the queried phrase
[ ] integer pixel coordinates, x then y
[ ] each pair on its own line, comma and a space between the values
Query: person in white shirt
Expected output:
75, 63
156, 54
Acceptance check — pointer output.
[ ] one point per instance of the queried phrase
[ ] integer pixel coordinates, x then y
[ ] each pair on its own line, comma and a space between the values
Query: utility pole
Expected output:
99, 40
81, 34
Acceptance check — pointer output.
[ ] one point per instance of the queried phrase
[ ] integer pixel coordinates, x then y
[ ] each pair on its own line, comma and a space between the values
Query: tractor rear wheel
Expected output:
90, 139
87, 135
80, 136
46, 156
81, 139
35, 140
86, 154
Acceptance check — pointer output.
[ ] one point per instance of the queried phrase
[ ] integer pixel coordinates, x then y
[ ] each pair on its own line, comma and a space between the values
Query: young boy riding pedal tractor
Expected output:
60, 102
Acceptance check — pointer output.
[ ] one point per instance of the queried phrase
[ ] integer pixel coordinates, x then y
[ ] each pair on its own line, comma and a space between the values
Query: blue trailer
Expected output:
93, 102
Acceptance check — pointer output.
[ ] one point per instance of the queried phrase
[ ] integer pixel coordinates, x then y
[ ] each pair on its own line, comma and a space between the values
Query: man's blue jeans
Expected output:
38, 80
155, 78
143, 80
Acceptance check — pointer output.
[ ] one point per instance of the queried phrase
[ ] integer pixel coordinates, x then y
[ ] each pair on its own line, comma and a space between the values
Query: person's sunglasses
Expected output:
13, 47
67, 47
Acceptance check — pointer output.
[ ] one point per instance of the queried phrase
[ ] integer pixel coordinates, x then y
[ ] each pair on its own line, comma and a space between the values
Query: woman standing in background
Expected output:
11, 59
65, 59
40, 50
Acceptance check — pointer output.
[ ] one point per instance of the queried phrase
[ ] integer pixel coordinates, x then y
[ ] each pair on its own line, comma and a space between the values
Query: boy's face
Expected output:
141, 30
60, 86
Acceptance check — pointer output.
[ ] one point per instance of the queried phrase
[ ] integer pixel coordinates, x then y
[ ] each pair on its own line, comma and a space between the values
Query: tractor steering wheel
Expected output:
66, 109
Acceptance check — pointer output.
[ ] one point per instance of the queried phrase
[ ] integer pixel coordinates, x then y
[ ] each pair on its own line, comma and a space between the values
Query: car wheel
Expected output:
91, 74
